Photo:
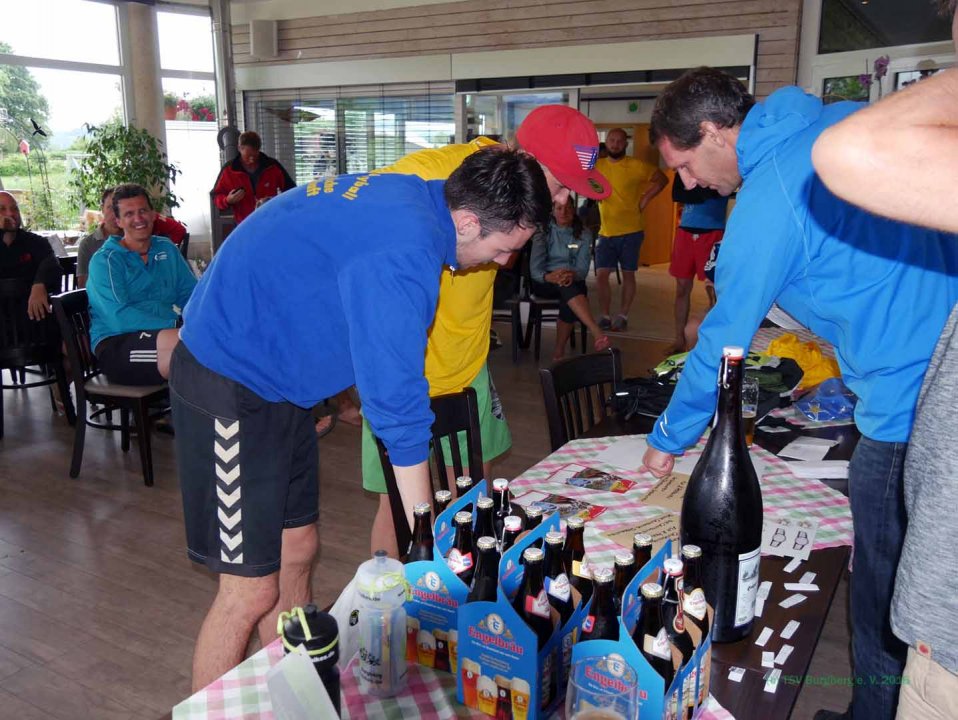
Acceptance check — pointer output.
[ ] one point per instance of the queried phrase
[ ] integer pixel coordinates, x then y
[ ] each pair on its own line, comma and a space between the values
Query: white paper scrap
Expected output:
807, 448
790, 629
808, 577
626, 452
773, 429
793, 564
820, 470
783, 654
801, 587
764, 637
735, 674
764, 589
771, 680
768, 659
791, 600
759, 606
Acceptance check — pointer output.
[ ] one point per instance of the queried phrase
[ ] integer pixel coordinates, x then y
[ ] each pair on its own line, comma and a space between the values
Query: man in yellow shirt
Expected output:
565, 143
634, 184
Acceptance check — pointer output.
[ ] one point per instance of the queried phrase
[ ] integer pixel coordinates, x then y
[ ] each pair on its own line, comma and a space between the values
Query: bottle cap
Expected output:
651, 591
673, 566
533, 511
602, 575
512, 523
554, 538
623, 558
462, 517
484, 502
313, 628
500, 484
575, 522
691, 551
422, 509
486, 543
464, 481
642, 540
532, 554
443, 496
733, 351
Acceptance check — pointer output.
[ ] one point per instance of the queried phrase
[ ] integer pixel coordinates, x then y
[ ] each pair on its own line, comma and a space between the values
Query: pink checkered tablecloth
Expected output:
782, 494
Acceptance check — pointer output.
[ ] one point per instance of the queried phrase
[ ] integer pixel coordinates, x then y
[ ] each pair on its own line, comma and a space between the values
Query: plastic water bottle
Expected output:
382, 591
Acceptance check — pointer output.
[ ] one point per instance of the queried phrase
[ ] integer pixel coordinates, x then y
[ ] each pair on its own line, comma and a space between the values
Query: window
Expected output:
856, 25
74, 30
498, 116
333, 135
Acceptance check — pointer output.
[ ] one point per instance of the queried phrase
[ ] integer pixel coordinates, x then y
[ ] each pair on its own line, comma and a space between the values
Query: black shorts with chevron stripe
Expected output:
248, 469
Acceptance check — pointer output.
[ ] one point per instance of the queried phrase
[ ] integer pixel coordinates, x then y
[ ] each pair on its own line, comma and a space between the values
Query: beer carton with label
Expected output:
510, 650
672, 681
437, 594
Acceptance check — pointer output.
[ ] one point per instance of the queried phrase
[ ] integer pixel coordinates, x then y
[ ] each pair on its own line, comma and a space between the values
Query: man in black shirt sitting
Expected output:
27, 256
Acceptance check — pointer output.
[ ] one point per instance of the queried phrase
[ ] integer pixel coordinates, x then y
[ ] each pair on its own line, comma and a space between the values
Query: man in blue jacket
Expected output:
138, 285
329, 285
880, 291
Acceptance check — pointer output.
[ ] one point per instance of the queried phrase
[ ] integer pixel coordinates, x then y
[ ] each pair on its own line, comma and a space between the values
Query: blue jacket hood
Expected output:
770, 123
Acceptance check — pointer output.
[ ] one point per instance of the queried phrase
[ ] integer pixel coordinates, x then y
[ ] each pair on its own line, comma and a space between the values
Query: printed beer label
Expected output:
588, 623
581, 568
459, 562
538, 604
747, 586
559, 587
694, 604
658, 645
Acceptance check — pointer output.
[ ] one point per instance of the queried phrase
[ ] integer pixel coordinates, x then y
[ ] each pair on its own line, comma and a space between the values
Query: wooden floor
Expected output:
99, 605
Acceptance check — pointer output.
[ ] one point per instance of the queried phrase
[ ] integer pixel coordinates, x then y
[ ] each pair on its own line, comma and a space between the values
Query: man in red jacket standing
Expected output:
249, 180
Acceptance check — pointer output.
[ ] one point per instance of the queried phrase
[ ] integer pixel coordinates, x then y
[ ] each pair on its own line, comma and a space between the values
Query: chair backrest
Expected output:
72, 311
68, 281
24, 341
576, 393
457, 415
185, 247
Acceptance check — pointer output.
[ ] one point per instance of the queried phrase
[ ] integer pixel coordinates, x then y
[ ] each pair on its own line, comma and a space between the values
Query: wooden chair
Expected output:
73, 315
185, 247
25, 342
576, 393
455, 413
68, 281
541, 310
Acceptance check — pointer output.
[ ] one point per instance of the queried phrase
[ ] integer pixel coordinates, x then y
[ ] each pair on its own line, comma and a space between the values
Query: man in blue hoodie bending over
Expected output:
879, 290
345, 297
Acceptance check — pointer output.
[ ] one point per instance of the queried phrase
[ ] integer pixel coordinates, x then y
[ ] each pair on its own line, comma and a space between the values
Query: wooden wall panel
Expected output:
516, 24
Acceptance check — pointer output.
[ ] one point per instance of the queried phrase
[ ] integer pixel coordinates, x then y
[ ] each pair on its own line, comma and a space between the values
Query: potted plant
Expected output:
204, 108
117, 153
169, 106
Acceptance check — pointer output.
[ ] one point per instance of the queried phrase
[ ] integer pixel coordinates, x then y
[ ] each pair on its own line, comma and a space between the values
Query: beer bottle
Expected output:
502, 504
602, 622
694, 606
511, 529
443, 498
672, 614
572, 554
460, 559
463, 485
556, 581
624, 572
484, 524
641, 549
422, 540
486, 580
722, 512
532, 605
533, 520
650, 636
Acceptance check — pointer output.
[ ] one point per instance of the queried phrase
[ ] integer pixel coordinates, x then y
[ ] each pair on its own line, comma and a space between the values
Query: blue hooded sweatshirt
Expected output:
332, 284
127, 295
879, 291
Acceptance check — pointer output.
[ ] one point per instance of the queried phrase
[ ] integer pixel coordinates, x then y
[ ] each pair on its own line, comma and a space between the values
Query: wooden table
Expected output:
748, 699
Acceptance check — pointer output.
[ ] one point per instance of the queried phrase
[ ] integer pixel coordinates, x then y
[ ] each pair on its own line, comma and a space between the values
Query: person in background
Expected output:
250, 179
91, 242
634, 184
28, 257
559, 267
787, 240
912, 136
138, 286
363, 254
700, 229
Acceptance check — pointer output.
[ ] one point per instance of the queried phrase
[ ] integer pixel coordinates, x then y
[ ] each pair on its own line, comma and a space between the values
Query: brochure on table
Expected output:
618, 662
437, 593
498, 661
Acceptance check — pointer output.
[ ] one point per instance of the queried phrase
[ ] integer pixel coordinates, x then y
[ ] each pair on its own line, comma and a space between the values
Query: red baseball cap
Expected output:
565, 141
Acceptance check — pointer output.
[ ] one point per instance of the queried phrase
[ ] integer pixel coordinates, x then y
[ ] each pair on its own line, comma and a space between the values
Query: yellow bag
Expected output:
816, 366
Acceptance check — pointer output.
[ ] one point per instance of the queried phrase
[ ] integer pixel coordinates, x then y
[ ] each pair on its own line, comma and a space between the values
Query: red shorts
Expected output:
690, 253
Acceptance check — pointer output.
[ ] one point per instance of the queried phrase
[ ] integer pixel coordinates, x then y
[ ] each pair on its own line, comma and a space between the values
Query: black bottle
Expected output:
672, 613
624, 572
694, 604
484, 524
722, 512
502, 505
486, 579
572, 555
532, 605
650, 636
558, 587
602, 622
422, 540
460, 558
641, 549
511, 529
443, 498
